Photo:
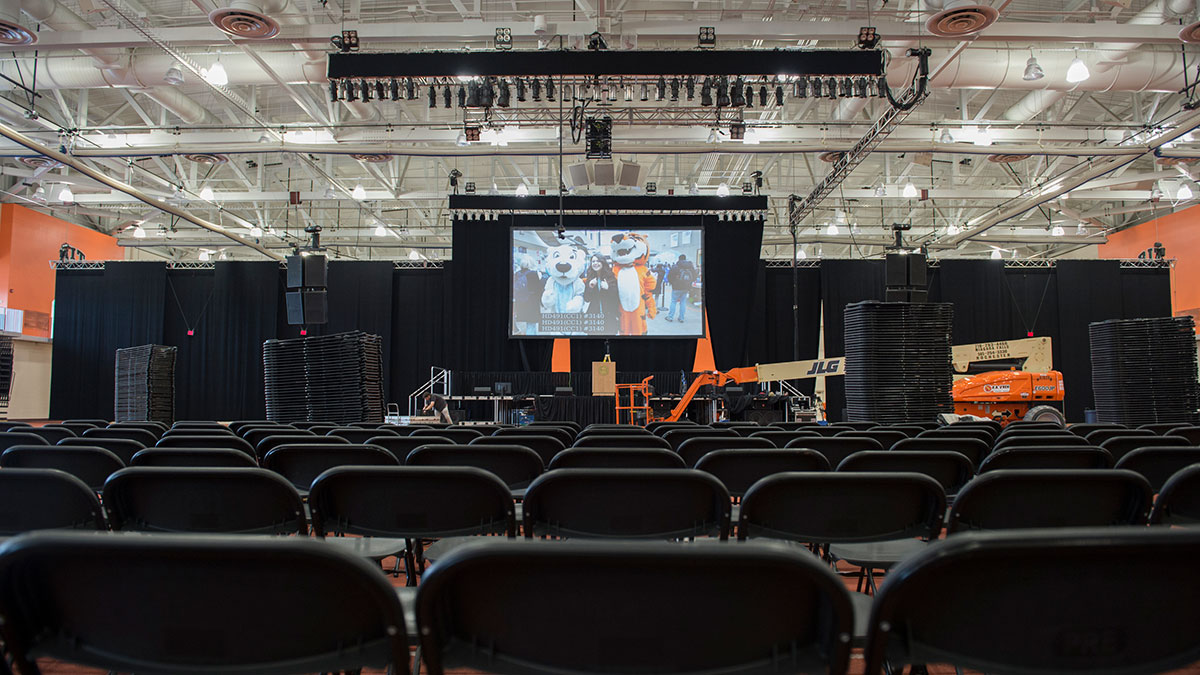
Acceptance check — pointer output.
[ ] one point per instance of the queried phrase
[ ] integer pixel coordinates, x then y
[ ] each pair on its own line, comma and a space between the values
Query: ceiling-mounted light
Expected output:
461, 141
413, 255
380, 230
522, 190
802, 254
203, 256
1057, 231
881, 190
983, 136
723, 190
945, 137
359, 192
713, 137
206, 193
39, 195
952, 229
264, 139
1184, 194
1078, 71
1033, 70
996, 254
832, 230
223, 256
256, 231
216, 75
855, 229
910, 190
1081, 230
65, 195
174, 75
139, 233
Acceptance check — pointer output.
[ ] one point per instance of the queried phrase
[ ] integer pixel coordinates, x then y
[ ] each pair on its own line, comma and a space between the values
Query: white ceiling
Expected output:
102, 98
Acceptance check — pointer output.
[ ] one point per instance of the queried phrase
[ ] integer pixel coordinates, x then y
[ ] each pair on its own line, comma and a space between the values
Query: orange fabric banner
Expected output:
560, 358
704, 353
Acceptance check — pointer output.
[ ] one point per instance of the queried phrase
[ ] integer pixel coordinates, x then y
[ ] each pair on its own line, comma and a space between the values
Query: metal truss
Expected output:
77, 264
1031, 263
418, 265
680, 113
495, 214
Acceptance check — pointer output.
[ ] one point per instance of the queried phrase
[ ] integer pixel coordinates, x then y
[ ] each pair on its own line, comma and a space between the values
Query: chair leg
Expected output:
410, 564
416, 668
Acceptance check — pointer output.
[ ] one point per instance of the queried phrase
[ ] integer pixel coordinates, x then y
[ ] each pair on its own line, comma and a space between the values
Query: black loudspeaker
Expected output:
307, 271
307, 307
895, 270
763, 417
917, 269
896, 295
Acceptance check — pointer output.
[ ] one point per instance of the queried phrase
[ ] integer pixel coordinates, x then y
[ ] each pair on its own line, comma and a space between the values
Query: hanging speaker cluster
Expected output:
898, 363
1144, 370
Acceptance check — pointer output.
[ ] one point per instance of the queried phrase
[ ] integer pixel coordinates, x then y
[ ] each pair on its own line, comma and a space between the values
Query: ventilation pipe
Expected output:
114, 64
1112, 55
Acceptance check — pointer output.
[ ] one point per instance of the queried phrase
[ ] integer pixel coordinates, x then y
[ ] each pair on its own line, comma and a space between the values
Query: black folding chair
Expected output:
1023, 432
10, 438
301, 463
1158, 464
885, 437
208, 425
835, 449
275, 440
1037, 498
459, 435
516, 465
402, 446
1164, 428
547, 447
6, 425
951, 470
393, 509
121, 447
51, 434
1048, 457
739, 469
780, 438
196, 604
360, 436
156, 428
485, 429
626, 504
676, 437
194, 457
587, 608
1120, 446
198, 429
1192, 434
574, 426
693, 449
975, 449
825, 430
314, 424
1178, 502
406, 429
203, 500
955, 431
1014, 425
45, 499
562, 435
909, 430
238, 426
612, 430
616, 458
146, 438
206, 441
660, 428
1028, 610
76, 428
1085, 428
858, 426
96, 422
90, 464
255, 434
621, 441
1098, 436
1061, 439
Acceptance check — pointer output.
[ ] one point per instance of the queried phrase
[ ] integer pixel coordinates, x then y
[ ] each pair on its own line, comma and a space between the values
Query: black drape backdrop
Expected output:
771, 322
844, 282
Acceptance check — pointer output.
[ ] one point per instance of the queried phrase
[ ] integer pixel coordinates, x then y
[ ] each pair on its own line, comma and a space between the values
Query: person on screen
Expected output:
681, 276
600, 293
437, 405
661, 290
527, 297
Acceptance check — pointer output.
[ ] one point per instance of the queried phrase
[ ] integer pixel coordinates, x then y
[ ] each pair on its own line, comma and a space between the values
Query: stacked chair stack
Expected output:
1144, 370
336, 378
6, 374
145, 384
898, 364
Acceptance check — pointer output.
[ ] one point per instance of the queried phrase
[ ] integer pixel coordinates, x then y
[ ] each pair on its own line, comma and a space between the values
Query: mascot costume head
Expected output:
635, 283
565, 263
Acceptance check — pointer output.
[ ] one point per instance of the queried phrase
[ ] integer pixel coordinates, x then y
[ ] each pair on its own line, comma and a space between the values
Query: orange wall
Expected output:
29, 240
1179, 232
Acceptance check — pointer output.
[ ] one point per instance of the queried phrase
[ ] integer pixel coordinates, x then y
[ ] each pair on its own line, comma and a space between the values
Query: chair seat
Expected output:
408, 602
861, 602
879, 553
371, 548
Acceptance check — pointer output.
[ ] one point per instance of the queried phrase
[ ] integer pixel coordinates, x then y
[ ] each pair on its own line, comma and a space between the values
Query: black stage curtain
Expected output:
582, 409
731, 275
360, 299
97, 312
187, 305
419, 315
844, 282
771, 322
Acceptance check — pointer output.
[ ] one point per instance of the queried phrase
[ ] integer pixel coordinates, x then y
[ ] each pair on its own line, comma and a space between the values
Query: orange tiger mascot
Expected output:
635, 283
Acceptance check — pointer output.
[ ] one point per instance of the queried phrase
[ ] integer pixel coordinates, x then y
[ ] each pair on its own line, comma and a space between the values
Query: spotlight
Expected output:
596, 42
660, 88
645, 92
503, 39
629, 93
1081, 230
1033, 70
365, 88
722, 93
737, 131
349, 91
867, 37
472, 133
462, 96
535, 88
474, 95
651, 188
174, 75
831, 88
736, 94
690, 85
860, 87
706, 94
549, 88
520, 90
1078, 71
381, 91
410, 89
394, 89
881, 86
758, 179
846, 88
612, 90
778, 94
446, 97
674, 88
747, 188
817, 87
707, 39
763, 96
454, 175
800, 89
432, 97
488, 94
502, 96
333, 91
469, 188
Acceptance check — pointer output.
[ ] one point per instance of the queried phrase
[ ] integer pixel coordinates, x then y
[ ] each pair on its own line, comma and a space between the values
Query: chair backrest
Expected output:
239, 425
858, 426
1048, 457
955, 431
612, 430
751, 429
842, 507
10, 438
406, 429
1085, 428
739, 469
621, 441
1098, 436
359, 435
910, 430
90, 464
1164, 428
562, 435
547, 447
569, 424
254, 435
676, 437
93, 421
1120, 446
168, 601
1178, 502
825, 430
200, 424
975, 449
693, 449
7, 425
660, 428
485, 429
313, 424
76, 427
43, 499
1013, 425
626, 504
196, 457
885, 437
835, 449
1022, 614
1192, 434
142, 436
275, 440
156, 428
414, 502
121, 447
207, 441
1157, 464
52, 435
754, 608
616, 458
1035, 498
780, 438
1021, 432
516, 465
460, 435
1060, 439
203, 500
203, 428
951, 470
301, 463
401, 446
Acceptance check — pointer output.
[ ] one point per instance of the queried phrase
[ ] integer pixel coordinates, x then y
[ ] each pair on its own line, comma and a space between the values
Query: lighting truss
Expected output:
637, 116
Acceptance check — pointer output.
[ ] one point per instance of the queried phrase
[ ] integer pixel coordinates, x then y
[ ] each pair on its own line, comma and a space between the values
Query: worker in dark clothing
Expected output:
437, 405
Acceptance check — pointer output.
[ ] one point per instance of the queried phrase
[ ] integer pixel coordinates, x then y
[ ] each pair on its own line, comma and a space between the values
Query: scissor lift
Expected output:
633, 400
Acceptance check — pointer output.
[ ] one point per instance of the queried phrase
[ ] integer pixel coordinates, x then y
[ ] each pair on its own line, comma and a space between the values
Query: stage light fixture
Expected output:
660, 88
722, 92
800, 88
535, 89
645, 92
410, 89
520, 90
446, 97
432, 97
333, 91
365, 90
503, 94
763, 96
462, 96
472, 133
778, 94
690, 86
713, 137
651, 188
469, 187
394, 89
612, 92
846, 88
881, 86
381, 91
550, 89
831, 88
706, 93
737, 131
868, 38
737, 97
952, 229
747, 188
674, 88
1033, 70
817, 87
504, 40
596, 42
629, 93
349, 91
487, 93
707, 39
723, 190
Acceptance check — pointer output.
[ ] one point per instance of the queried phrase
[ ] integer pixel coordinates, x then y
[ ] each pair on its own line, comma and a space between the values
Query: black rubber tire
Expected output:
1046, 413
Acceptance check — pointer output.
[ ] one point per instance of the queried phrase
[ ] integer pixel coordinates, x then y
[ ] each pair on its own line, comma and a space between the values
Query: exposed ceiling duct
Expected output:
959, 18
247, 20
11, 31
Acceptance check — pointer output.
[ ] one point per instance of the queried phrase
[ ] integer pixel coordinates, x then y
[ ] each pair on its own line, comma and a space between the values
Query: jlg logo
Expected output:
825, 367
